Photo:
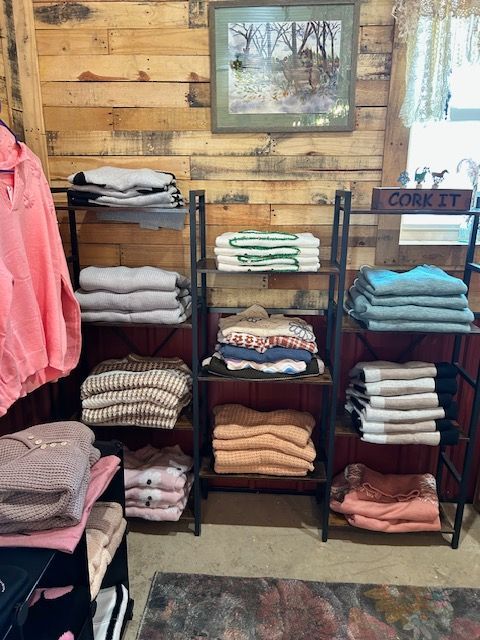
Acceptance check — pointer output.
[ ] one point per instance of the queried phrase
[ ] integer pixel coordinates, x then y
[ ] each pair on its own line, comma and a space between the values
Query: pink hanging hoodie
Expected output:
40, 336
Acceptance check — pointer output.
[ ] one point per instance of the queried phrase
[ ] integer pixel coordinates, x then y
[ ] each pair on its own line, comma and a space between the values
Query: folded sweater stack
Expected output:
254, 345
422, 299
44, 476
116, 187
267, 251
409, 403
157, 483
142, 294
145, 392
276, 443
391, 503
105, 529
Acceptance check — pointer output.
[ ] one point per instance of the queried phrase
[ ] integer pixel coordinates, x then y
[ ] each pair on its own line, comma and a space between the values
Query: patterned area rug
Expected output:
200, 607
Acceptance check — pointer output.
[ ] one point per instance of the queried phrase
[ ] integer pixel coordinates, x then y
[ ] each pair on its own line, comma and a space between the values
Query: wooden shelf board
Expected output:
324, 379
317, 476
138, 325
209, 265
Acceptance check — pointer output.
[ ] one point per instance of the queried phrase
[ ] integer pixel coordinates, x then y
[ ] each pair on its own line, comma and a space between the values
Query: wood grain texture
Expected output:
120, 68
116, 94
52, 42
161, 41
114, 15
161, 119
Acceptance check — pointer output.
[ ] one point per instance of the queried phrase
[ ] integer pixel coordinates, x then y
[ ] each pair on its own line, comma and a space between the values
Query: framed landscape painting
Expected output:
283, 65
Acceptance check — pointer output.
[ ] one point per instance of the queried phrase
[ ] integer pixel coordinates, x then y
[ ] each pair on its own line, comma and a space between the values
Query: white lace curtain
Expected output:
439, 35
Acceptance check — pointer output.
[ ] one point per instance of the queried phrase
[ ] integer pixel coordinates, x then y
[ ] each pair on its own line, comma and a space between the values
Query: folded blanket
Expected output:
411, 401
256, 321
218, 367
422, 326
247, 457
280, 366
160, 316
130, 279
406, 387
123, 179
268, 266
161, 199
272, 239
140, 414
258, 252
142, 300
431, 439
422, 280
359, 307
385, 370
263, 344
391, 415
270, 355
160, 469
233, 421
263, 469
264, 442
157, 497
444, 302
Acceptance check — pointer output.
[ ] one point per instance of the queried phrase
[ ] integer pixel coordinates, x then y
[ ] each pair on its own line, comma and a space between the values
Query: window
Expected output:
441, 145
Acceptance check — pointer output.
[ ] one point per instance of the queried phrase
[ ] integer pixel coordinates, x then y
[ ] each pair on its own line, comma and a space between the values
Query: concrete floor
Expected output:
268, 535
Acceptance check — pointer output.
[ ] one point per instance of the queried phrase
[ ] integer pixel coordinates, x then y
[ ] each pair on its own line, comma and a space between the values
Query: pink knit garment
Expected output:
40, 335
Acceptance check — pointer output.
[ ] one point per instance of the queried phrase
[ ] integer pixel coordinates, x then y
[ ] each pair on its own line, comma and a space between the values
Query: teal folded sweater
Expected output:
422, 280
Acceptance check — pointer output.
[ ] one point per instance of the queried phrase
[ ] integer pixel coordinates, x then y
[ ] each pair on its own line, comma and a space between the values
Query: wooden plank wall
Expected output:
5, 71
127, 83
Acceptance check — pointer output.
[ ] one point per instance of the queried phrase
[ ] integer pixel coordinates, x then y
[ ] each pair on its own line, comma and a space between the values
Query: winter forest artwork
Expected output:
283, 67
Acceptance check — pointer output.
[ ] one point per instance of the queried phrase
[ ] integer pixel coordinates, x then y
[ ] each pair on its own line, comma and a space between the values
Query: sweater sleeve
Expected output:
6, 295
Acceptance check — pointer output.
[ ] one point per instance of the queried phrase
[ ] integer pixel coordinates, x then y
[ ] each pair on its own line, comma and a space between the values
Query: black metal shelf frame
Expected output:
334, 269
463, 476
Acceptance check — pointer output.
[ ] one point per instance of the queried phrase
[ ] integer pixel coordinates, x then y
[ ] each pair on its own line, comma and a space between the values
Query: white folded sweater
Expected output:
275, 266
260, 252
123, 179
271, 239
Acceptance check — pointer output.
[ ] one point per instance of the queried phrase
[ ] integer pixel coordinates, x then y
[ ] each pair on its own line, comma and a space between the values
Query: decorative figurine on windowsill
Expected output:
403, 178
420, 175
438, 178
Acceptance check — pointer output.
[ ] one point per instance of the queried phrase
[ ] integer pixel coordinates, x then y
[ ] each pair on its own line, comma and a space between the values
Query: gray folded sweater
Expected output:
157, 316
143, 300
123, 179
44, 476
128, 279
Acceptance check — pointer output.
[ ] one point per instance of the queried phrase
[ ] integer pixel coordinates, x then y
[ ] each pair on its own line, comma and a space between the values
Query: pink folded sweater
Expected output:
159, 469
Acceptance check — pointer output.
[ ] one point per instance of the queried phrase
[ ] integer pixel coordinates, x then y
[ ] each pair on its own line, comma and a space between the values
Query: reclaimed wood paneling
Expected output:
127, 83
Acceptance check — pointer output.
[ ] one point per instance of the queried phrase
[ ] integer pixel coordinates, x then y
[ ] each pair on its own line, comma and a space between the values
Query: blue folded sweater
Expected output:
271, 355
422, 280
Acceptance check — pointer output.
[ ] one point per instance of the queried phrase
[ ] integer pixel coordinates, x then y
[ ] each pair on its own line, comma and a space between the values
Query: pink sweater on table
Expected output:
40, 335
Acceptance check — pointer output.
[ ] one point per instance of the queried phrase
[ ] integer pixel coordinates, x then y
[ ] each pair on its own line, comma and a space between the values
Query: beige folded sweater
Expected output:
238, 415
266, 441
246, 458
264, 469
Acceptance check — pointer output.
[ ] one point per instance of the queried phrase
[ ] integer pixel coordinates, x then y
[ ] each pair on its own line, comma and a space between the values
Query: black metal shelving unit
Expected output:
49, 568
469, 435
328, 383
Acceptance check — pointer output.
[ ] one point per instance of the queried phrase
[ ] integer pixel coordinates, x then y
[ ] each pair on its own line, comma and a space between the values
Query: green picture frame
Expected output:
283, 65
